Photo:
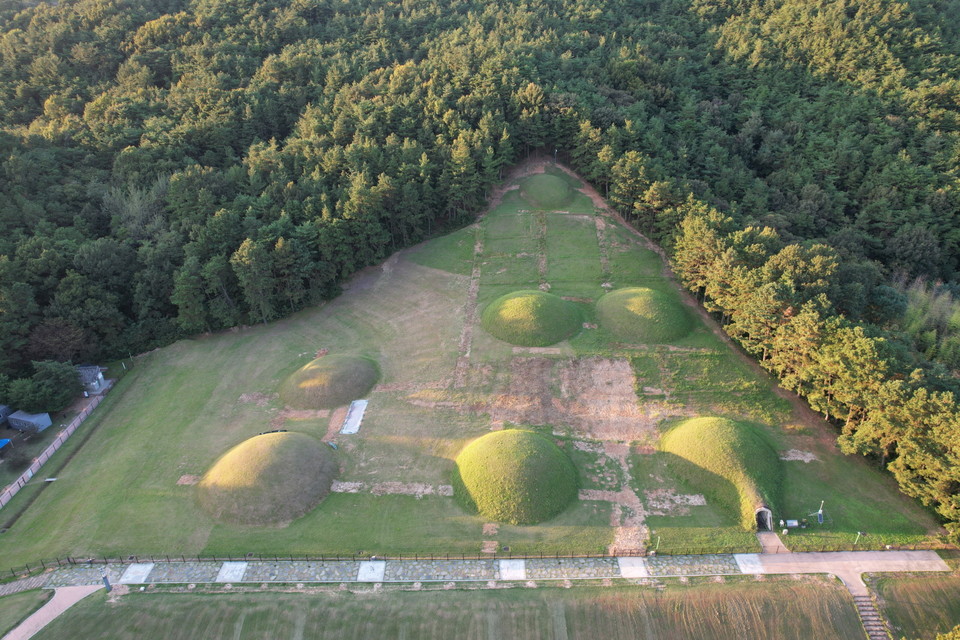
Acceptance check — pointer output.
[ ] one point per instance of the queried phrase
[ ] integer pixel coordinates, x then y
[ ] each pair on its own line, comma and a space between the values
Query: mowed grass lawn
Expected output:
16, 608
774, 610
127, 491
920, 607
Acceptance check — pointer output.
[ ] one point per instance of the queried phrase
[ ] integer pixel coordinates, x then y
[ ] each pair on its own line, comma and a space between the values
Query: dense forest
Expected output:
172, 167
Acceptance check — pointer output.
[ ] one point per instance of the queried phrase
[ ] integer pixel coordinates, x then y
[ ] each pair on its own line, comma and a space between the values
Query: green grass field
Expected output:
920, 607
778, 610
444, 382
16, 608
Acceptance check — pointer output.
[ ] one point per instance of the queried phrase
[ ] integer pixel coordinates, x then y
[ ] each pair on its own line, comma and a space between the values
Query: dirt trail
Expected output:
469, 313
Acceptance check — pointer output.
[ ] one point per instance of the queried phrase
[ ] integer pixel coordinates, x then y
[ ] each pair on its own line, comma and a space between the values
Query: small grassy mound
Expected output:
531, 318
330, 382
638, 314
514, 476
544, 191
269, 479
712, 450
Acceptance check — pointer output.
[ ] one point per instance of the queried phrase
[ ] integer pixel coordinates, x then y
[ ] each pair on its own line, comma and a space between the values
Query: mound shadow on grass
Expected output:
514, 476
531, 318
269, 479
715, 448
330, 382
638, 314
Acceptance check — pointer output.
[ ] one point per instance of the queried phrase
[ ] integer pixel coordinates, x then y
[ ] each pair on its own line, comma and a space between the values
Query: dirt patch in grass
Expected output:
415, 489
797, 454
552, 351
491, 529
667, 502
259, 399
593, 398
188, 480
336, 422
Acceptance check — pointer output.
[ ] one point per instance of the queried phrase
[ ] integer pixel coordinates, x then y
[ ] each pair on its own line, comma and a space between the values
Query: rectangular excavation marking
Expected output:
371, 571
351, 424
513, 569
632, 567
136, 573
231, 572
749, 562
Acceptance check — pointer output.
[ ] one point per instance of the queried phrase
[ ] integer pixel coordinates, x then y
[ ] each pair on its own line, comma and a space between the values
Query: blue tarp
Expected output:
4, 442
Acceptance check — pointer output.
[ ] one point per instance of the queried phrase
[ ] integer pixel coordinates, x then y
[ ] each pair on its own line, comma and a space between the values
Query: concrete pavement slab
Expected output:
231, 572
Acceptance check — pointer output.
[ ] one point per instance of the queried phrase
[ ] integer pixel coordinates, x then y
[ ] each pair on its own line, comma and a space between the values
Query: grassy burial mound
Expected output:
269, 479
514, 476
330, 382
544, 191
638, 314
530, 318
713, 450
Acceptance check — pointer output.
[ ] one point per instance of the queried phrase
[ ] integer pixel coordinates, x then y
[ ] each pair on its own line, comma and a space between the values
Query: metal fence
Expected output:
14, 487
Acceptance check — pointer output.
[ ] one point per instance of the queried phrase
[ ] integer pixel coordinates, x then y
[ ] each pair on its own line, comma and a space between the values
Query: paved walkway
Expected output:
63, 599
847, 565
770, 542
76, 582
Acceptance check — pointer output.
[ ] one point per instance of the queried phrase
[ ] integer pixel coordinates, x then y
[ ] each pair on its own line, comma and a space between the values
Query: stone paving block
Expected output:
513, 570
232, 572
84, 574
328, 571
560, 568
136, 573
421, 570
183, 572
633, 567
700, 565
371, 571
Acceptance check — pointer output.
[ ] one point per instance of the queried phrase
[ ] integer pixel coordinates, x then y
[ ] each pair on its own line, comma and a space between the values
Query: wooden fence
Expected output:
14, 487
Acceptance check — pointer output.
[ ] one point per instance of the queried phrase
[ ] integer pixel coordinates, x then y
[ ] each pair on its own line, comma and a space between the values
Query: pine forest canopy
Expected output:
172, 167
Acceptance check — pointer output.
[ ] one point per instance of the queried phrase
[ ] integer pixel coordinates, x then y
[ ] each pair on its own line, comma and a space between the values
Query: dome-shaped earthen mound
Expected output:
730, 462
531, 318
269, 479
329, 382
514, 476
638, 314
545, 191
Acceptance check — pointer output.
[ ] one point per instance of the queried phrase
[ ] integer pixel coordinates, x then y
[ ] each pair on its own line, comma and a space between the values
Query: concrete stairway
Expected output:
872, 622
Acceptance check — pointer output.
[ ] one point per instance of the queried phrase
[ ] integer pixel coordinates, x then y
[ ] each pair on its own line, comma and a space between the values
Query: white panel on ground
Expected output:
749, 562
371, 571
351, 424
231, 572
513, 569
633, 567
136, 573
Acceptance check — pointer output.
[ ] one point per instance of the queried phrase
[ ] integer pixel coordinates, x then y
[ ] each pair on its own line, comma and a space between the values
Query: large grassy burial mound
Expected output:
329, 382
530, 318
514, 476
731, 463
269, 479
544, 191
638, 314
